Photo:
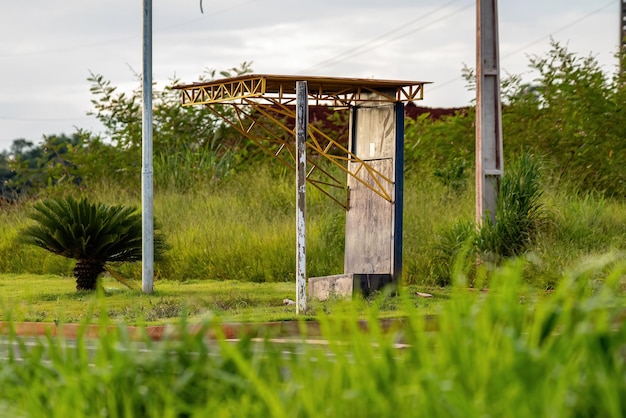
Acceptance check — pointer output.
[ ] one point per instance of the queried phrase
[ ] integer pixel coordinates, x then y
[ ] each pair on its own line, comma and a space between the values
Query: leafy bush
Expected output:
191, 145
453, 175
574, 116
91, 233
444, 144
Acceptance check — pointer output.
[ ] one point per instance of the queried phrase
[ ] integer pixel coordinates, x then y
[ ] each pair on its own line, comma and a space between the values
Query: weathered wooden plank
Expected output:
375, 133
369, 241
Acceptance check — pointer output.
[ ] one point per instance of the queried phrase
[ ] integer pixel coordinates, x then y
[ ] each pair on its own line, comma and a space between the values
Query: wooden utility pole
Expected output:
302, 128
489, 164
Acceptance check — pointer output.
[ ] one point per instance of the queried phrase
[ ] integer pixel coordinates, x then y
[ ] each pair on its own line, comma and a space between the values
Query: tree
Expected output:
190, 143
91, 233
22, 156
6, 174
36, 166
573, 116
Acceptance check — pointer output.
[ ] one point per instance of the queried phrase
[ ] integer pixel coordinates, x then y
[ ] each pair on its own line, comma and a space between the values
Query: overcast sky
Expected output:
48, 48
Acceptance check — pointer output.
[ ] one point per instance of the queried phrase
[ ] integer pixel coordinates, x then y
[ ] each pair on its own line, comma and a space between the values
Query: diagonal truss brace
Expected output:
258, 122
322, 91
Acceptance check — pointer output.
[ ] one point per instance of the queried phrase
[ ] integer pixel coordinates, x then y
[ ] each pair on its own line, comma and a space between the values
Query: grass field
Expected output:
243, 229
47, 298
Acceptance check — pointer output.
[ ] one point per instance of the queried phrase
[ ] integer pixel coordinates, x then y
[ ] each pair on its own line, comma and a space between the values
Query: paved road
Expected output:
16, 347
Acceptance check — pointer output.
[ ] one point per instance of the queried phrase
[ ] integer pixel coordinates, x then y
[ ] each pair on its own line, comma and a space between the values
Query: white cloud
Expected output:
48, 48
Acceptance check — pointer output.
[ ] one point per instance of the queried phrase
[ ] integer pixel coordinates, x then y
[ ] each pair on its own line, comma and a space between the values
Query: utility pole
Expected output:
147, 187
489, 158
622, 35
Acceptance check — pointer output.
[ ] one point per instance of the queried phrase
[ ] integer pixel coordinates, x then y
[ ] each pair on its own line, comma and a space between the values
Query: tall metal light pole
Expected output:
147, 189
489, 158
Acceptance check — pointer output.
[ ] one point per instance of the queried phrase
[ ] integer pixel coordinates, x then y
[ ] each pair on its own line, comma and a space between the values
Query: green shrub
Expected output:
572, 114
452, 246
93, 234
519, 211
453, 174
519, 216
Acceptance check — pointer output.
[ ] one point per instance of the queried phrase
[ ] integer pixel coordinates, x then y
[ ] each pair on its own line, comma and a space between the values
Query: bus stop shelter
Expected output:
272, 111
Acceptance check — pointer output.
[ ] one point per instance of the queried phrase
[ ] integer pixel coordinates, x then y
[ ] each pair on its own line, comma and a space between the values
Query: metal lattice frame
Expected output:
261, 102
322, 90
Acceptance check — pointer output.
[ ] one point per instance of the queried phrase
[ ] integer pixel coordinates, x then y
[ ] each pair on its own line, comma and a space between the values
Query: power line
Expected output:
19, 119
127, 38
366, 46
543, 38
561, 29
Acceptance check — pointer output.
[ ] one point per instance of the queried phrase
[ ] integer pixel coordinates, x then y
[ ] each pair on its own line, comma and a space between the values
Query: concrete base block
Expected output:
325, 287
345, 285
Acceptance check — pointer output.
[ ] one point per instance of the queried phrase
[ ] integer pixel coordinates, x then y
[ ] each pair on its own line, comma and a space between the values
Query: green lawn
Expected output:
47, 298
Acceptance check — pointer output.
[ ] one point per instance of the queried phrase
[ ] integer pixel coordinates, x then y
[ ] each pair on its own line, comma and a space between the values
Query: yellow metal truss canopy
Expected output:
332, 91
255, 100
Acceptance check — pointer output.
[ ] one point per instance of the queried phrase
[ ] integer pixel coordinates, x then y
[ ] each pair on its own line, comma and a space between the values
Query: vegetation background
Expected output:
228, 214
227, 210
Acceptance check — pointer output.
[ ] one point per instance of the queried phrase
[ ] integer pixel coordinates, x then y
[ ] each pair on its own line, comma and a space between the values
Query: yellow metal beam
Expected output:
330, 91
260, 128
340, 156
264, 113
224, 92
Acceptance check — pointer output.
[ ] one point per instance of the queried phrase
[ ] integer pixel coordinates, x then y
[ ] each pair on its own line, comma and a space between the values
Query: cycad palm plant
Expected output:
91, 233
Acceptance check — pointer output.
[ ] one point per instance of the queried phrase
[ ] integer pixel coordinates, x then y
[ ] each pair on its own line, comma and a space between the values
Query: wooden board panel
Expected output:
375, 132
369, 227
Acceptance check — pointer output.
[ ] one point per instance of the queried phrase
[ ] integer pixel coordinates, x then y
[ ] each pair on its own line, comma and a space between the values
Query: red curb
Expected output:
158, 332
29, 328
308, 329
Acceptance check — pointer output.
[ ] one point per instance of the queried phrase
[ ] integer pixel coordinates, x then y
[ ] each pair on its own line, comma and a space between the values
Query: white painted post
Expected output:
147, 190
489, 164
302, 121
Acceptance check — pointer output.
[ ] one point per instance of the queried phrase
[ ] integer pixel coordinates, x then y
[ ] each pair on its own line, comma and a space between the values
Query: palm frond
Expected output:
81, 229
121, 279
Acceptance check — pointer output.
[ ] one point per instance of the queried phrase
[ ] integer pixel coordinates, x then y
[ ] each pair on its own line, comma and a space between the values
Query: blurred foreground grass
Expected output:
502, 353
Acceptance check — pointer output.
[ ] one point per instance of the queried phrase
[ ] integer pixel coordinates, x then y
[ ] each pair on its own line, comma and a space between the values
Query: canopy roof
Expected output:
332, 91
256, 100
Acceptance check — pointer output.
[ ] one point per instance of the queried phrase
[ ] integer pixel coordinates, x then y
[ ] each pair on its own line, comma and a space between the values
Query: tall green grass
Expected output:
242, 227
519, 211
492, 355
430, 208
548, 225
511, 232
245, 230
